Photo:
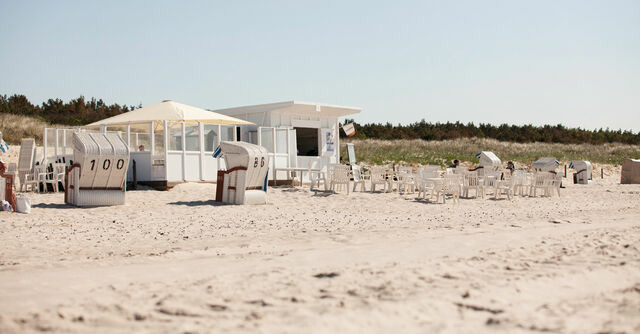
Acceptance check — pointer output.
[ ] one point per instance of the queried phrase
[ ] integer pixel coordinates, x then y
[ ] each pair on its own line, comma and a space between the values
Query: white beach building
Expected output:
296, 134
171, 142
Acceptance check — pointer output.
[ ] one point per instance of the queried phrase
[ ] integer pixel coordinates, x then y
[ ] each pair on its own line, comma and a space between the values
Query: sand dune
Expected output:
176, 261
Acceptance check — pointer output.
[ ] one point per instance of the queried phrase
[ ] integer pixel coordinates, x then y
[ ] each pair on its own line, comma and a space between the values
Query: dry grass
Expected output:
16, 127
443, 152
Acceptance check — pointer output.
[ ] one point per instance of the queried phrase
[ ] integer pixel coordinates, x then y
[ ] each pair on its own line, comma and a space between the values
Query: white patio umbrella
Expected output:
170, 111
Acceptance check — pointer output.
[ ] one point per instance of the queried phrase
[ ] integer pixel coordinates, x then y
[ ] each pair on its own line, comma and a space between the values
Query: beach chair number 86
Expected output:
255, 162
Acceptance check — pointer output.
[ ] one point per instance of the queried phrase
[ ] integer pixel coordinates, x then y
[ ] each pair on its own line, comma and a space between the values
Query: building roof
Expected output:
170, 111
293, 107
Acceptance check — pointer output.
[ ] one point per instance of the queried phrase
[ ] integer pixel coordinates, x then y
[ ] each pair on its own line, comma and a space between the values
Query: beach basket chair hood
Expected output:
630, 171
245, 180
488, 161
98, 175
583, 173
546, 164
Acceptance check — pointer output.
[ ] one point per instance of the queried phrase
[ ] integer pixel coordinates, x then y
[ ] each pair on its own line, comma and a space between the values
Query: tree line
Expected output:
504, 132
76, 112
81, 111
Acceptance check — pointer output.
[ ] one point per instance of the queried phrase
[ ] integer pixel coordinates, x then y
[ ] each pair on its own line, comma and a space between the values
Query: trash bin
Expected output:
245, 180
99, 172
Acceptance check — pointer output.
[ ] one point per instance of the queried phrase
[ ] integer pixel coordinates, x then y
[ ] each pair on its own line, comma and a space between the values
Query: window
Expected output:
175, 136
266, 135
307, 141
281, 140
140, 137
158, 135
226, 133
210, 137
192, 136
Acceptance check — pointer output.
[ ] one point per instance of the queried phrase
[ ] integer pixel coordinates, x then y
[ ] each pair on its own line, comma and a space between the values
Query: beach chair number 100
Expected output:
107, 163
255, 163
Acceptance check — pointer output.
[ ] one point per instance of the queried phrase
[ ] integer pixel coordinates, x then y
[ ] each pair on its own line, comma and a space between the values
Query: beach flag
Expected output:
218, 152
3, 146
349, 129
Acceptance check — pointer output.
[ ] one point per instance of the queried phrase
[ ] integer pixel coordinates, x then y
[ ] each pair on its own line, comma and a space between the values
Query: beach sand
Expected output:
178, 262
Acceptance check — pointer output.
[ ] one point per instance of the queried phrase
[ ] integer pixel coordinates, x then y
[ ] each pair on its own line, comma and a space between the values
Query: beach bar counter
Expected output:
172, 142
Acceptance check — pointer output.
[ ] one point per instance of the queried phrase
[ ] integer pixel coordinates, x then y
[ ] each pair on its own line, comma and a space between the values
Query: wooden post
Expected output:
602, 173
565, 171
135, 176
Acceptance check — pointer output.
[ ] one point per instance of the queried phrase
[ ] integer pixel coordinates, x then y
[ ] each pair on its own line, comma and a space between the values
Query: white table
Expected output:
292, 172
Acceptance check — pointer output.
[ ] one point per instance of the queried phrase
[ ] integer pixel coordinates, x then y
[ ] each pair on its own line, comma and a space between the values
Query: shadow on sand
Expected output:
54, 206
198, 203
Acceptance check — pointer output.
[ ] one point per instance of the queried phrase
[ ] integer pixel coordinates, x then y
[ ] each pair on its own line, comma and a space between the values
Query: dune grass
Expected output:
16, 127
424, 152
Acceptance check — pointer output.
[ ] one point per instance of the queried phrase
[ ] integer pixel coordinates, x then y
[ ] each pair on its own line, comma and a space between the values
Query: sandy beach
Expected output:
178, 262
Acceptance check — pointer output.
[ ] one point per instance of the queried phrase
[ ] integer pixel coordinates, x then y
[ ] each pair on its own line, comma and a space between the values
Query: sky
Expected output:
517, 62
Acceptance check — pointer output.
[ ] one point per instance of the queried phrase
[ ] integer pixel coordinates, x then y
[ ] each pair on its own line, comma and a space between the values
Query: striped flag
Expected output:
218, 152
3, 146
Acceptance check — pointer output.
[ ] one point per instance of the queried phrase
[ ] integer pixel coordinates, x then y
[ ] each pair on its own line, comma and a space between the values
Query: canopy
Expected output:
170, 111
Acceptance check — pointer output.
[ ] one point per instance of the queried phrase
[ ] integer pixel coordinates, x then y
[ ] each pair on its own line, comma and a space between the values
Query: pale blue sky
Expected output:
570, 62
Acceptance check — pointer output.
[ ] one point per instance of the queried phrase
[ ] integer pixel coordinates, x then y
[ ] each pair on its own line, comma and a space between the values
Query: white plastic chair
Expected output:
340, 176
542, 181
424, 184
471, 181
489, 182
34, 178
504, 187
554, 184
406, 179
359, 177
460, 170
316, 177
56, 176
378, 177
450, 186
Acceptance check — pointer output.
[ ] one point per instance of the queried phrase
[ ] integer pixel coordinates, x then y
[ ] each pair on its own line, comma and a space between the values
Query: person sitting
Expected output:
455, 164
511, 167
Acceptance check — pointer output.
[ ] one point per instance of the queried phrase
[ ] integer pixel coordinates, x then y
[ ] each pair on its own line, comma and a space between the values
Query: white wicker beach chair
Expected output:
99, 172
